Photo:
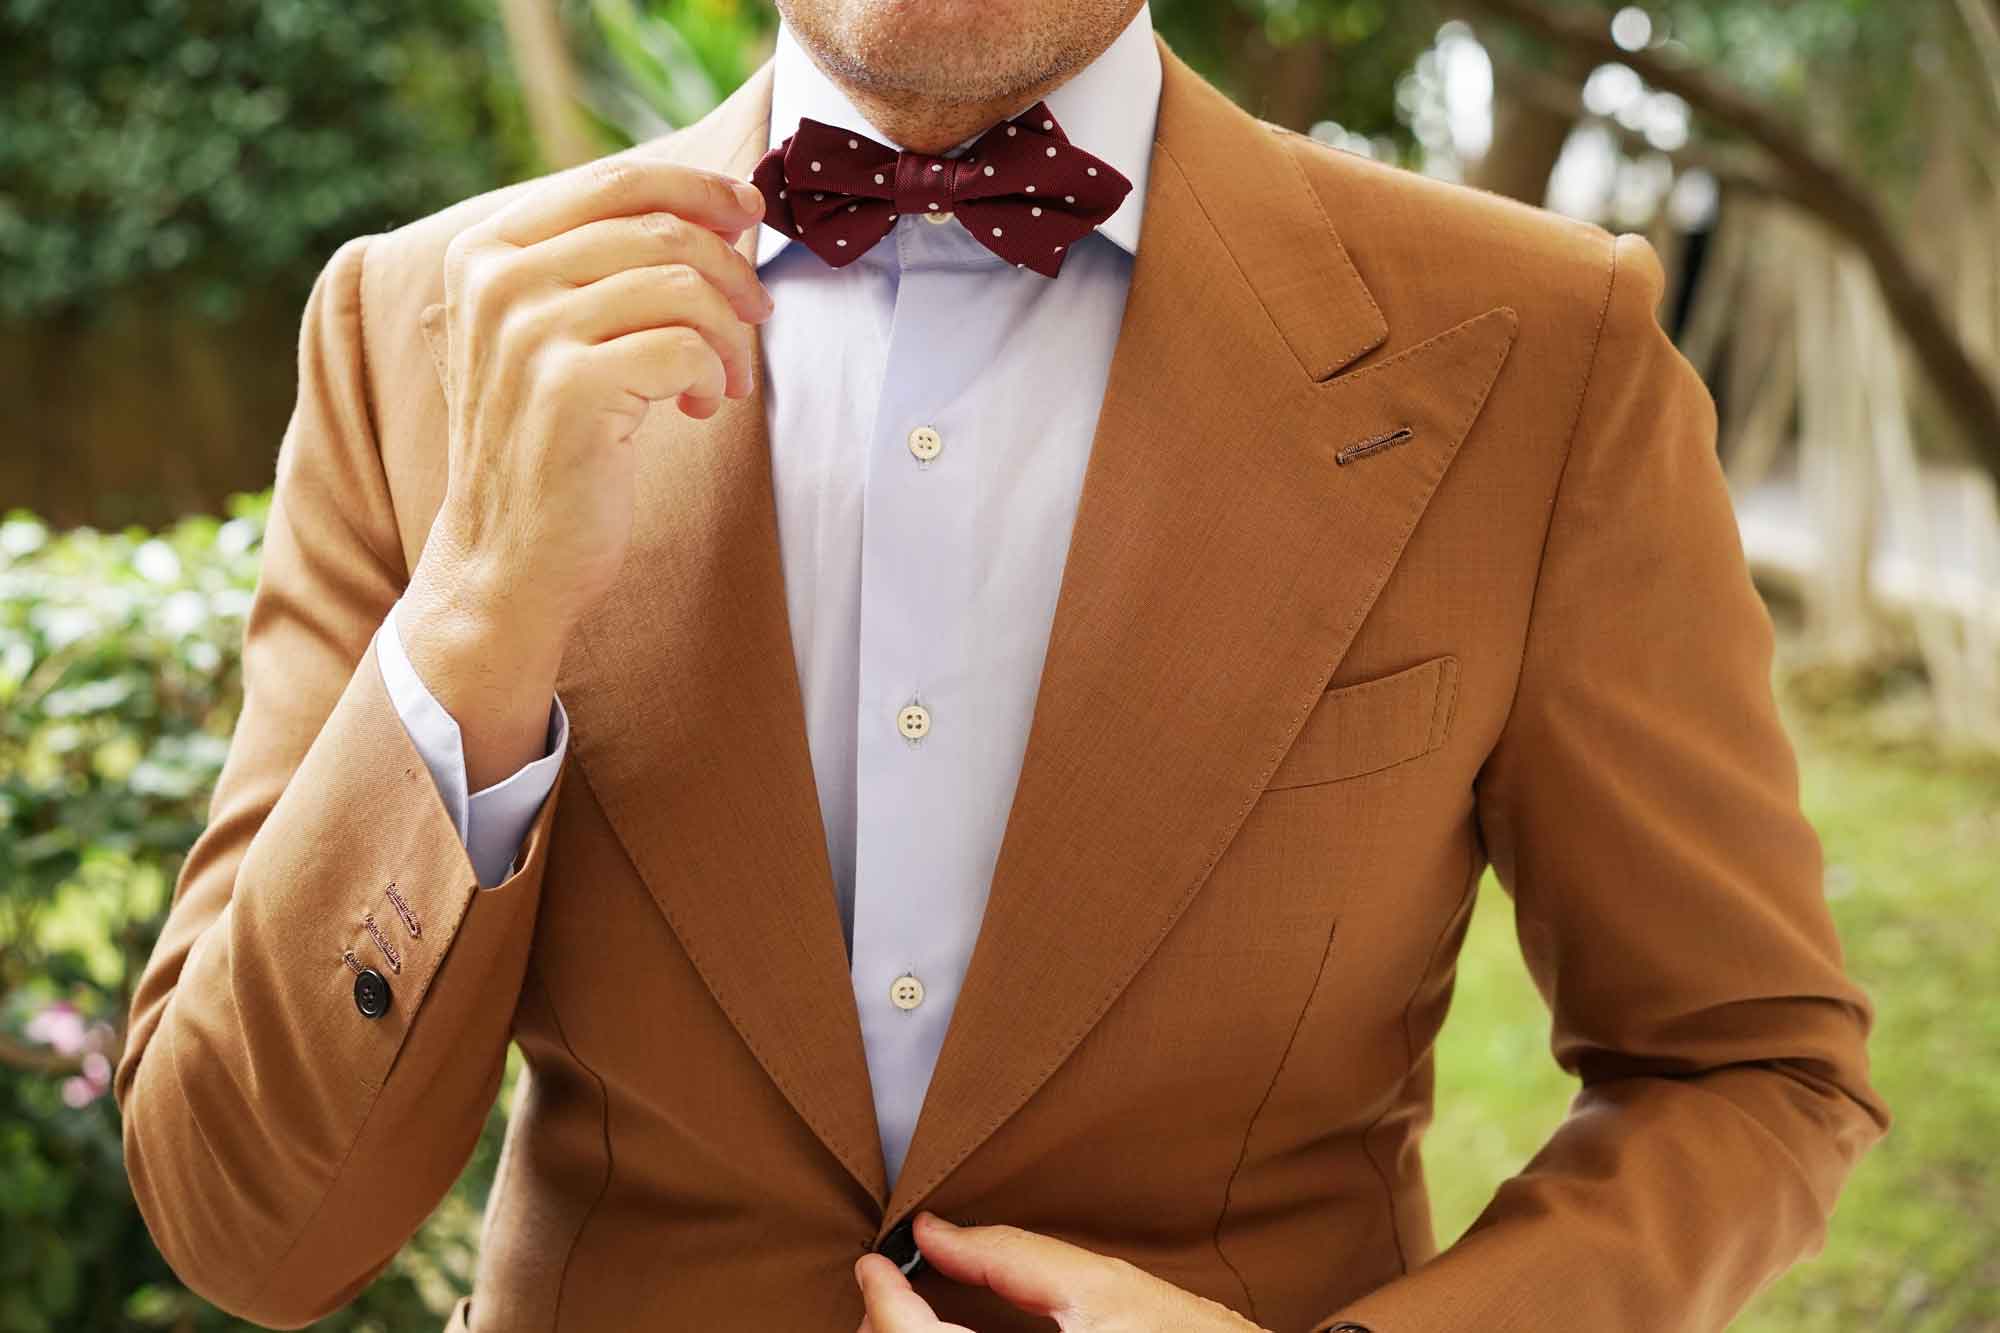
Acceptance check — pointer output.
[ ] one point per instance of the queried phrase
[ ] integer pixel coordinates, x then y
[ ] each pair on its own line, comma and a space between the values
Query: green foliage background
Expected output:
216, 145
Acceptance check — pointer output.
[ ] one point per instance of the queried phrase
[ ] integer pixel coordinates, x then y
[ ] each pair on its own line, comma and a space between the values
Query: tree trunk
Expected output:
1834, 466
548, 81
1528, 137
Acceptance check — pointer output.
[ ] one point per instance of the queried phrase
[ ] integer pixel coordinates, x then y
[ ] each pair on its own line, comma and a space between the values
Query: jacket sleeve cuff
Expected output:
490, 822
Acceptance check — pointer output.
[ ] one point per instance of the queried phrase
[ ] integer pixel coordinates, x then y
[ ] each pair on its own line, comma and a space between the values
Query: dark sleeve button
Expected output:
371, 993
900, 1245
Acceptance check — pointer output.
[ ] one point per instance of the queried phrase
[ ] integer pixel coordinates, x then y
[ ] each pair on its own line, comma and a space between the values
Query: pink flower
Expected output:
58, 1025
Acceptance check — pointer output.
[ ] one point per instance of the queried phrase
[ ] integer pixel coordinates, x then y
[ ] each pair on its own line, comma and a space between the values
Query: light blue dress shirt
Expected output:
931, 409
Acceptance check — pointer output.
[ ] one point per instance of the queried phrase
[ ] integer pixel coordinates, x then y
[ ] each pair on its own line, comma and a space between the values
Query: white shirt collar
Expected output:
1108, 108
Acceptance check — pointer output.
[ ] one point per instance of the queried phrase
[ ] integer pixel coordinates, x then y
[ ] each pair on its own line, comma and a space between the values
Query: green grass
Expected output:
1913, 876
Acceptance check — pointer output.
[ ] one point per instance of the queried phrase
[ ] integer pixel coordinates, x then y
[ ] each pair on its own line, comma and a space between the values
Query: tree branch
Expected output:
17, 1054
1815, 181
1559, 95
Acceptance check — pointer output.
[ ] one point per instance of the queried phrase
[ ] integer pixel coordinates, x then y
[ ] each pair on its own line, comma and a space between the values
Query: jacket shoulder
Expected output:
405, 267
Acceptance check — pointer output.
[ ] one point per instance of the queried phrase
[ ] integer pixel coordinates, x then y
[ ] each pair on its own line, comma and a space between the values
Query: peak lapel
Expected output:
687, 722
1242, 506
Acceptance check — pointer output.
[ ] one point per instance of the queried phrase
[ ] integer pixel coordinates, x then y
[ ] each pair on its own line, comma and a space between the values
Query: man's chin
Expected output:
951, 51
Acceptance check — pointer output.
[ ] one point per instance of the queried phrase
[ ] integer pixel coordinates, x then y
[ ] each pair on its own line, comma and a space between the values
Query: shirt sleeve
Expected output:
491, 822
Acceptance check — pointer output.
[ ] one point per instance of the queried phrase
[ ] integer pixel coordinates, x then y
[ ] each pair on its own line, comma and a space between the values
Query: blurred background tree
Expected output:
1820, 176
172, 173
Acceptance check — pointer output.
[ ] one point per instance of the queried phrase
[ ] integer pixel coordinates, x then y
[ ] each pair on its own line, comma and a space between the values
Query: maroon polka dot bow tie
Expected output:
1023, 189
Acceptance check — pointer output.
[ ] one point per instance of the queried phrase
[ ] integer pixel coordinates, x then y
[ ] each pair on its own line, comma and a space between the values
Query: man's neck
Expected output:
925, 125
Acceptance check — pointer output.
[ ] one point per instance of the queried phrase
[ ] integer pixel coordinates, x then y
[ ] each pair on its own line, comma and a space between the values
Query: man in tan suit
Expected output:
1399, 549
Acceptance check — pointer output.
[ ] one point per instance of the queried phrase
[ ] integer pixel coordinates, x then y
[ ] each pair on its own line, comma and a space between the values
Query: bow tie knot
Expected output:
1022, 189
924, 181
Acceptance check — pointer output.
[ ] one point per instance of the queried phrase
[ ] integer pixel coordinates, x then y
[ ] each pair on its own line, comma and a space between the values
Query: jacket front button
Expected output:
371, 993
900, 1246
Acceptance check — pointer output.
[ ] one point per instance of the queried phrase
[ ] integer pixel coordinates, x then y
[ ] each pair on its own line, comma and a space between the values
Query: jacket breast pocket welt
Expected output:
1371, 725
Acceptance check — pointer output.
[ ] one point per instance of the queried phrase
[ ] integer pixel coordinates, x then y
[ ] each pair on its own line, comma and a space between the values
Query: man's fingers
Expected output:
660, 296
699, 407
1032, 1272
893, 1305
622, 184
597, 250
657, 364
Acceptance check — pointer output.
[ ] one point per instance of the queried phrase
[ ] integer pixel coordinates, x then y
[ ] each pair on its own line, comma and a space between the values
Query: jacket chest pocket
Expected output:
1372, 725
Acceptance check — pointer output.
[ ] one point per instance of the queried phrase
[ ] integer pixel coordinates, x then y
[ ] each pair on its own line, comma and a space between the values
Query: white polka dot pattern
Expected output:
860, 188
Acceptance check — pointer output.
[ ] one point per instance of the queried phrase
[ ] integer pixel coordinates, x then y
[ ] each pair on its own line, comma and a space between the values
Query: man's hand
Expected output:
598, 293
1083, 1292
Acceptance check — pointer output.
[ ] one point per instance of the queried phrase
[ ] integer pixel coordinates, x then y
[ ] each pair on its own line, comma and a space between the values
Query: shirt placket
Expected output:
918, 895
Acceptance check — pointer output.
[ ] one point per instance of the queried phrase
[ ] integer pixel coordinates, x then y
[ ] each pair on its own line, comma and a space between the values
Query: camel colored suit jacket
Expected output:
1402, 550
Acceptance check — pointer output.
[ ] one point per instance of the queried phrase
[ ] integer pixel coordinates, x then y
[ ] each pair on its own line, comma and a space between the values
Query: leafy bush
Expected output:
119, 685
221, 145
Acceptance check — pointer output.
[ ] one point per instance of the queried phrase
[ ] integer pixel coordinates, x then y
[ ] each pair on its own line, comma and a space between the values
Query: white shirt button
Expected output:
944, 216
925, 443
906, 992
914, 721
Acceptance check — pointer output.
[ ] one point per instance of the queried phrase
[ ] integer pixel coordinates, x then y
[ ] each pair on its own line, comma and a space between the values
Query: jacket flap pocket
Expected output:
1372, 725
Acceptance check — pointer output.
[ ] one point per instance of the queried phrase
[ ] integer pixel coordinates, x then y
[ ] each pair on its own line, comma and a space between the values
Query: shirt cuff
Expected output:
490, 822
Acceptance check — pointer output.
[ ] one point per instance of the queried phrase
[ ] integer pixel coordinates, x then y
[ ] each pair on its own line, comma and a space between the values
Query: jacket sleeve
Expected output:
1641, 807
281, 1144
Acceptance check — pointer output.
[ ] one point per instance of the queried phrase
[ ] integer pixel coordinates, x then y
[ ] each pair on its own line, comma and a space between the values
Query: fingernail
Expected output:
752, 198
937, 1221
